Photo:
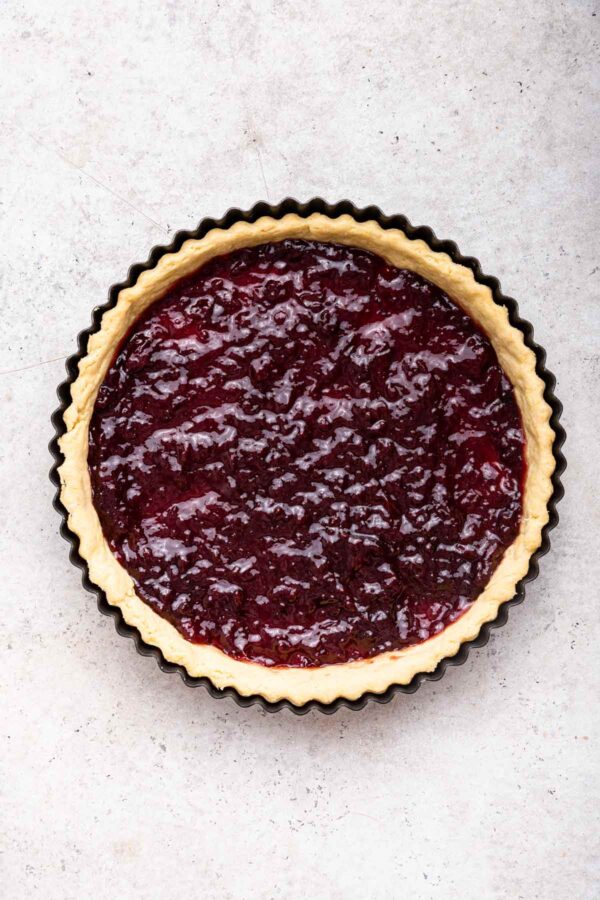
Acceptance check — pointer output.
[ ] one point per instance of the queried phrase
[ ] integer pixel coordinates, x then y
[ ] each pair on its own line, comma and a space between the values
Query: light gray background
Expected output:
124, 121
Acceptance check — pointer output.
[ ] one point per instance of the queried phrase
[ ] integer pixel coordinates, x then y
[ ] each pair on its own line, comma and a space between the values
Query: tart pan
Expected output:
317, 205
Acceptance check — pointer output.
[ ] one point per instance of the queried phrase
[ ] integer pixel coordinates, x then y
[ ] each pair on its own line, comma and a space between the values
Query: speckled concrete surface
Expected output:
125, 121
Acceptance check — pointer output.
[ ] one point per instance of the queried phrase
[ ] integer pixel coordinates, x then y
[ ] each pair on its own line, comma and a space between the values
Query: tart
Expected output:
308, 457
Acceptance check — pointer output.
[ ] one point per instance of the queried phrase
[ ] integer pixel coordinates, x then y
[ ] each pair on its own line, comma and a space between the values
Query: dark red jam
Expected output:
305, 456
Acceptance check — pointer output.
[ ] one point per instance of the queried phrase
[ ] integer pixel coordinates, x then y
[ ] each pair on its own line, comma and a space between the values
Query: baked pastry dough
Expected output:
349, 679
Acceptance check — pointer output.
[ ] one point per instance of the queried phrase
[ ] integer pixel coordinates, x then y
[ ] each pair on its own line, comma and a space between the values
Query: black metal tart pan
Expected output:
305, 209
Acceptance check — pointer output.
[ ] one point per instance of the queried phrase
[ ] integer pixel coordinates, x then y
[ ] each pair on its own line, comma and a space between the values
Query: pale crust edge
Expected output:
349, 680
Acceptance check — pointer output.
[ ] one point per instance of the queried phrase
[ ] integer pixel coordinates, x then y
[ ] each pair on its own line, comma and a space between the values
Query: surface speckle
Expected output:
118, 781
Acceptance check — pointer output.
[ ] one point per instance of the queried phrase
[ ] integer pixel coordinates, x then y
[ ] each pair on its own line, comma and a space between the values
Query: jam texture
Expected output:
304, 456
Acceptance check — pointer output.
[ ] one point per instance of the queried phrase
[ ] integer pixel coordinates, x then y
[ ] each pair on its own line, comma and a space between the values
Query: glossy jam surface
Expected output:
305, 456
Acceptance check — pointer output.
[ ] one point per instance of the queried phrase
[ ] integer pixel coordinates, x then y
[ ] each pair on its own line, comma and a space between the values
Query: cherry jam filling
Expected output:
303, 456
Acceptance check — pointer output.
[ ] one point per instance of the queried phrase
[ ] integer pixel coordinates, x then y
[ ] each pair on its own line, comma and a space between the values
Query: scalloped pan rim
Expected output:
334, 210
